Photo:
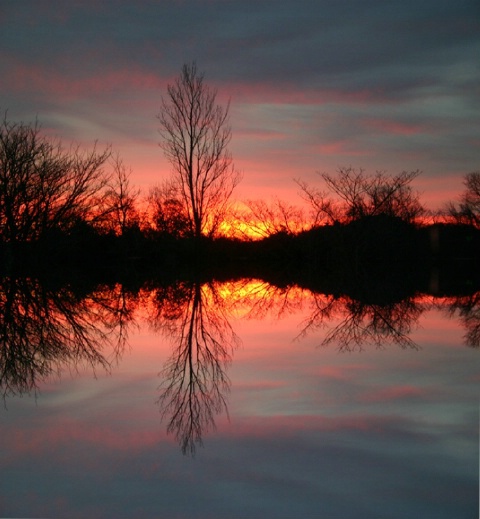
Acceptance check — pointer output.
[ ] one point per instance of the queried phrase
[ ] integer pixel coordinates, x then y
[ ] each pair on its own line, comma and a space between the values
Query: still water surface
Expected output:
239, 400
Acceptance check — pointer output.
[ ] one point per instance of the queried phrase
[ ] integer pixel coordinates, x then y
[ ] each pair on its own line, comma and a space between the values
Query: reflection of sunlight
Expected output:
256, 298
237, 290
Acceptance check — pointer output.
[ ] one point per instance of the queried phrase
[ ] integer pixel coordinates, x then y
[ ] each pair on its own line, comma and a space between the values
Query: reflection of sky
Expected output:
312, 433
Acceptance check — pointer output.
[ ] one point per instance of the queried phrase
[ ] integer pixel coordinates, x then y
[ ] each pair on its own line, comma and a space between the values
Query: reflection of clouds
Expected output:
274, 467
393, 394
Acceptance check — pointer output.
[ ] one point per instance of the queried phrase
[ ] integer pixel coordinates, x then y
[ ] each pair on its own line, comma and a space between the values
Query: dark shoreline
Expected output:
378, 259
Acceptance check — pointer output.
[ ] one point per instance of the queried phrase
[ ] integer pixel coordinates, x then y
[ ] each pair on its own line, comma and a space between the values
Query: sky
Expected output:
313, 85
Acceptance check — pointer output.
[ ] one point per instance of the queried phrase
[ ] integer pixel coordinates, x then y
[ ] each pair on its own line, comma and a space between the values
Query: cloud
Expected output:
313, 85
393, 394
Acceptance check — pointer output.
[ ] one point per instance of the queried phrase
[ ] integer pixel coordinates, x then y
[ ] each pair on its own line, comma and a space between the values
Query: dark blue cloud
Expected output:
411, 63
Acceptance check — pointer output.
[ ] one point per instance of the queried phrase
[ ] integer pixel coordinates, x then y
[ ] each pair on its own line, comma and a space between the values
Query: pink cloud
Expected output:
341, 373
25, 77
341, 148
394, 127
33, 77
393, 393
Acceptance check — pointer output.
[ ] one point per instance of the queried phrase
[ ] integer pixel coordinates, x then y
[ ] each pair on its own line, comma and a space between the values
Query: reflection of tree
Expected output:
363, 323
194, 378
468, 307
358, 323
43, 330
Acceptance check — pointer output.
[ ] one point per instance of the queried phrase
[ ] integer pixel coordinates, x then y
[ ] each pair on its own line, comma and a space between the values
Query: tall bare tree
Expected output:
195, 136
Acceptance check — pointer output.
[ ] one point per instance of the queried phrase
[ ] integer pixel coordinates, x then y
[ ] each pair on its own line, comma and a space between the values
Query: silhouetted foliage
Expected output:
262, 219
121, 196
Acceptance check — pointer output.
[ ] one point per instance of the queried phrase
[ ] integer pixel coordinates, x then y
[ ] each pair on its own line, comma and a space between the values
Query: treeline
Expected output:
64, 209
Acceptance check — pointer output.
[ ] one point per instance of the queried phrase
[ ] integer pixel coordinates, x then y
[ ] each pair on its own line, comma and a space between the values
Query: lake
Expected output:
237, 400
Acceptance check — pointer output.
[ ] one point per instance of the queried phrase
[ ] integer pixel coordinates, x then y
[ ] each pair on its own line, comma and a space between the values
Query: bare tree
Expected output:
167, 212
324, 209
468, 210
195, 136
120, 202
360, 195
43, 186
263, 219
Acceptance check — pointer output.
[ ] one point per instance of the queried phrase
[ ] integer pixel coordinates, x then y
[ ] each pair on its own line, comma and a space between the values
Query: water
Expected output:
241, 400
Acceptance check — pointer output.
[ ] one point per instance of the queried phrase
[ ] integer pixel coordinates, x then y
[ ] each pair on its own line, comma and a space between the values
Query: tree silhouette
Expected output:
262, 219
167, 212
361, 195
195, 135
45, 187
194, 381
120, 211
468, 210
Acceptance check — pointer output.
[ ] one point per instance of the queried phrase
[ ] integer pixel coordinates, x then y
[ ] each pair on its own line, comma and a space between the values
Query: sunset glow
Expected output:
239, 251
299, 105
